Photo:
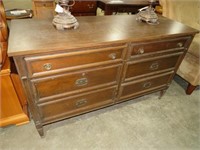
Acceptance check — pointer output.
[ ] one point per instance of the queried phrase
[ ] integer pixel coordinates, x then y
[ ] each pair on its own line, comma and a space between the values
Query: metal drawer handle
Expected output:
180, 44
81, 82
47, 66
90, 6
81, 103
112, 56
147, 85
154, 66
140, 51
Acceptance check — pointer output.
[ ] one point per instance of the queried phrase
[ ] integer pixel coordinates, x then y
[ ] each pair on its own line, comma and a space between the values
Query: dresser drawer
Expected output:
44, 4
150, 47
76, 82
71, 106
141, 86
84, 7
57, 63
134, 69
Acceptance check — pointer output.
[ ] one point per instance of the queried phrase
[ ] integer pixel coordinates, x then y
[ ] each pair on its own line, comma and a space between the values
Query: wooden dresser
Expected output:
107, 60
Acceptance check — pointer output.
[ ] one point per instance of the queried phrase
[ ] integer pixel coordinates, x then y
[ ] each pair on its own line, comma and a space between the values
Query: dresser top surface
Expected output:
30, 36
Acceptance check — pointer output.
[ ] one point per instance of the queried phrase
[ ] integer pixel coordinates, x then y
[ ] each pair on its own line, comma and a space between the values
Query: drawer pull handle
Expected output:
180, 44
140, 51
147, 85
81, 103
81, 82
154, 66
47, 66
113, 56
90, 6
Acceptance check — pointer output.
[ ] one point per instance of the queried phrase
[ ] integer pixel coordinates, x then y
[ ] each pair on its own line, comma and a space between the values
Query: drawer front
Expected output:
147, 67
44, 4
142, 86
81, 81
145, 48
67, 107
84, 6
49, 64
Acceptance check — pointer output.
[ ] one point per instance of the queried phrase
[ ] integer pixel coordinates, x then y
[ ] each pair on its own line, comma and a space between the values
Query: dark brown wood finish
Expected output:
94, 31
143, 48
122, 6
84, 8
190, 89
77, 104
107, 60
147, 84
150, 66
70, 61
76, 82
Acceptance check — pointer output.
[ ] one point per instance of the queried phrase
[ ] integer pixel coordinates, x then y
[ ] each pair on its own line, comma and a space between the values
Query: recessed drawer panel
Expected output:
57, 63
137, 87
141, 68
84, 6
144, 48
78, 81
67, 107
44, 4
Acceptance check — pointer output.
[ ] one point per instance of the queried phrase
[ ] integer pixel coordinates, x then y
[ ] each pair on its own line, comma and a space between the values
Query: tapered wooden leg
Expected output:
190, 89
41, 132
162, 92
40, 129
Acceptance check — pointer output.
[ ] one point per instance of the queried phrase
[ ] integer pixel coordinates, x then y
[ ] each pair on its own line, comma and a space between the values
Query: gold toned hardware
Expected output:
154, 66
140, 50
180, 44
112, 56
47, 66
147, 85
90, 6
81, 102
81, 82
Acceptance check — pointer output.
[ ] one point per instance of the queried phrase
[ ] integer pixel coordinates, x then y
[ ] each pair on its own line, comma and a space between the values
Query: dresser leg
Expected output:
162, 92
40, 129
190, 89
41, 132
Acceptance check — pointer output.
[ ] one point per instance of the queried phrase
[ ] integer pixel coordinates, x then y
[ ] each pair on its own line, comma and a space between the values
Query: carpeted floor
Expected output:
146, 123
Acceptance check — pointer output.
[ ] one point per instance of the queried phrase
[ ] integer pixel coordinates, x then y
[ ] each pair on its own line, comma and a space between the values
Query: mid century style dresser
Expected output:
107, 60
